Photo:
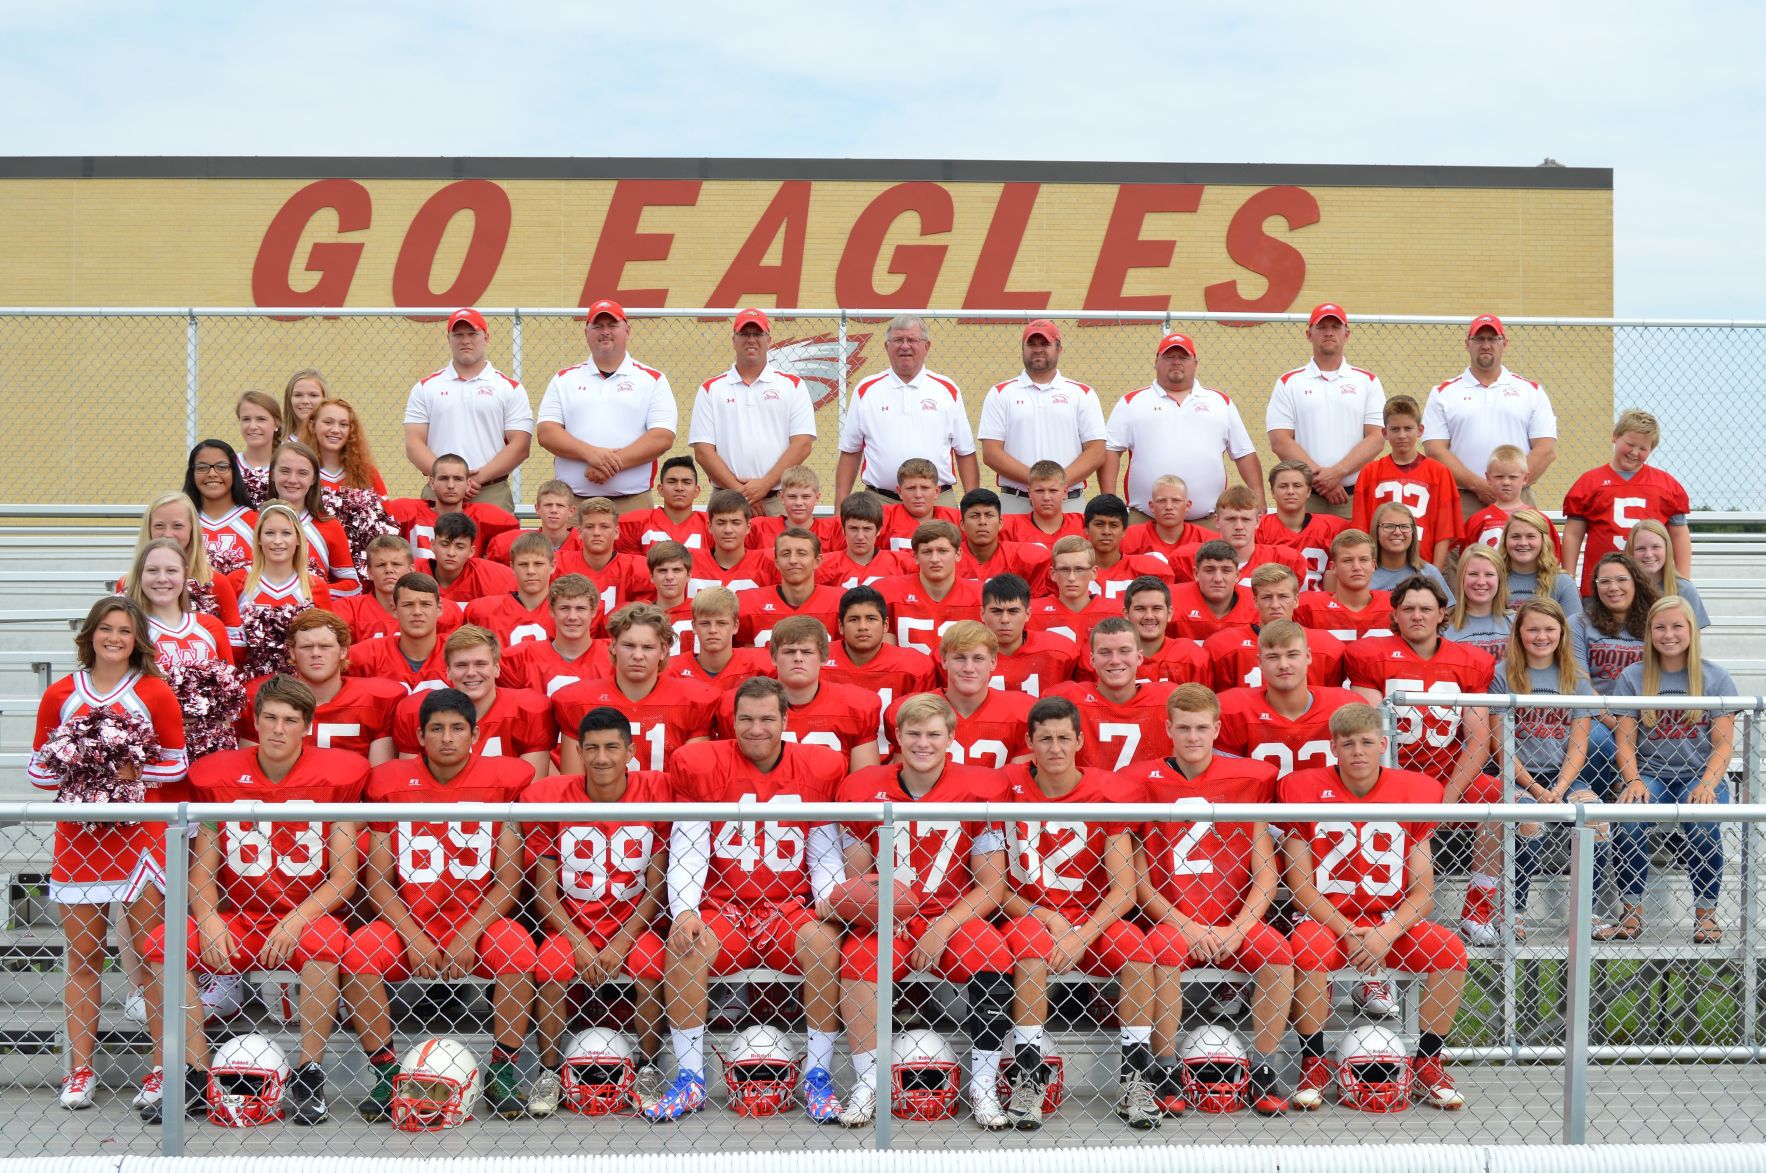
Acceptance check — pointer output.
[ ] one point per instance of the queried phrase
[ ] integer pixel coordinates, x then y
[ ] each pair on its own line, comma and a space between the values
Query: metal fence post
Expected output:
840, 368
1579, 976
177, 912
885, 1069
1389, 725
1750, 895
1510, 1012
192, 373
515, 369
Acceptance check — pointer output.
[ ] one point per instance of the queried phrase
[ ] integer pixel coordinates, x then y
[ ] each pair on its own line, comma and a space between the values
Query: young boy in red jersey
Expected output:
1077, 605
1029, 661
1167, 528
572, 654
1048, 520
525, 613
1606, 502
1237, 513
1354, 609
619, 578
797, 554
729, 562
800, 491
510, 722
917, 486
985, 556
352, 713
860, 561
864, 657
675, 520
666, 712
1106, 521
413, 659
1417, 482
924, 603
371, 614
708, 649
1290, 488
1283, 719
671, 580
554, 507
1164, 657
1215, 600
841, 717
1232, 653
1124, 717
989, 728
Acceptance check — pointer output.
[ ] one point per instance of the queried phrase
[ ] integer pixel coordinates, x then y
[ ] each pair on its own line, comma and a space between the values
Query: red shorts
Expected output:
1119, 945
756, 936
504, 949
1425, 947
975, 947
323, 941
557, 961
1261, 946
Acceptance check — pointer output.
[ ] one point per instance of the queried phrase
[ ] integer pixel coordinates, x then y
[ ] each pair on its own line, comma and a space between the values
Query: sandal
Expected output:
1628, 928
1708, 932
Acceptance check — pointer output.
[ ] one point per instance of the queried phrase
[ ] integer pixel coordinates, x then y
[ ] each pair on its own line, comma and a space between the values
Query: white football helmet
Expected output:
1373, 1070
1215, 1069
760, 1072
437, 1086
246, 1082
1057, 1089
600, 1068
927, 1078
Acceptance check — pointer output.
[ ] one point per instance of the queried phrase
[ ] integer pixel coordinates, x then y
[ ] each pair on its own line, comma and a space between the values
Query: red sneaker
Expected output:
1316, 1074
1430, 1083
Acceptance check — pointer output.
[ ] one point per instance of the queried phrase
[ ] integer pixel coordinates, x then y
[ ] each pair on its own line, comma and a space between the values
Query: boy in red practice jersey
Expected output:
1353, 609
1417, 482
413, 659
800, 491
1290, 488
797, 554
1048, 520
1029, 661
729, 562
619, 578
989, 729
554, 507
1215, 600
923, 604
1285, 718
708, 648
511, 722
1124, 718
525, 613
462, 575
916, 486
1232, 652
984, 555
353, 713
1078, 604
666, 712
860, 561
1167, 528
841, 717
572, 654
863, 657
675, 520
1606, 502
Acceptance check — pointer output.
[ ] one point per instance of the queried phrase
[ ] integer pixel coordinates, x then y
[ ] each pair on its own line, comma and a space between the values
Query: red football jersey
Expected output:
1231, 656
897, 532
1361, 867
1312, 541
444, 870
369, 620
1425, 487
932, 856
744, 663
1178, 660
994, 734
1321, 611
1204, 869
1117, 734
645, 528
760, 609
764, 531
601, 865
518, 722
1194, 620
1060, 865
1028, 560
755, 862
1022, 528
1043, 660
537, 666
359, 715
755, 568
1251, 728
917, 619
513, 623
382, 658
1429, 739
1143, 538
1112, 581
502, 548
478, 579
892, 673
662, 722
625, 579
840, 717
1610, 505
415, 518
268, 869
196, 637
1183, 564
1050, 614
839, 570
1486, 526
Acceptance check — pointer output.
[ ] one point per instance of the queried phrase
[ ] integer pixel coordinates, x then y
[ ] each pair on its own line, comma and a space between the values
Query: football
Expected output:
855, 901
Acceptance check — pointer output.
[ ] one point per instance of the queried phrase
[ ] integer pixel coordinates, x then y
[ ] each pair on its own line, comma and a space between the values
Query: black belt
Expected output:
894, 496
1011, 492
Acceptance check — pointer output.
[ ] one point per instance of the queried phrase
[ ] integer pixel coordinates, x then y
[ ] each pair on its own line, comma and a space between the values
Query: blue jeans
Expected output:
1701, 845
1601, 771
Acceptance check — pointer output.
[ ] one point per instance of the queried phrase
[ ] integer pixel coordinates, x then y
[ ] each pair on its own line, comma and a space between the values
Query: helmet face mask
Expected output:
760, 1072
927, 1079
1215, 1070
437, 1087
600, 1070
246, 1082
1373, 1071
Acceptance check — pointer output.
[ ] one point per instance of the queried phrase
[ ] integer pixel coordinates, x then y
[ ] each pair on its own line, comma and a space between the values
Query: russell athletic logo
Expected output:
819, 360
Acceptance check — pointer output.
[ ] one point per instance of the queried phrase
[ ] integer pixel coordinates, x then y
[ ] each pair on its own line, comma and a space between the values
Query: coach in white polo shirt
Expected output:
904, 412
754, 421
471, 408
1328, 414
1041, 415
1178, 426
1487, 406
606, 421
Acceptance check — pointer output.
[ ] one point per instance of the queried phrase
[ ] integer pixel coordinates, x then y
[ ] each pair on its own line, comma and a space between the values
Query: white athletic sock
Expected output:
689, 1048
984, 1069
1027, 1036
864, 1068
1136, 1034
821, 1050
1480, 880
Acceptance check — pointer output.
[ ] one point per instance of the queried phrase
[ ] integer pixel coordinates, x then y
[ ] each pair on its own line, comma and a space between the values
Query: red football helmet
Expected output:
600, 1068
927, 1077
1373, 1070
1215, 1070
760, 1072
246, 1082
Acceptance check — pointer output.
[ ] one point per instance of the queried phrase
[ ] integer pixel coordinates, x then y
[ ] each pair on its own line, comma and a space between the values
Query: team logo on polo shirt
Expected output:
623, 385
928, 405
769, 395
1058, 398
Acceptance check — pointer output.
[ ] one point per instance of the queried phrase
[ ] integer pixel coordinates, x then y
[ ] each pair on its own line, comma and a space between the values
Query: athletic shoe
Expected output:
1135, 1103
307, 1092
1375, 998
984, 1105
861, 1107
685, 1096
649, 1085
152, 1088
1025, 1107
135, 1005
78, 1088
1266, 1093
502, 1092
819, 1099
195, 1097
543, 1096
1477, 917
377, 1108
223, 994
1430, 1083
1316, 1075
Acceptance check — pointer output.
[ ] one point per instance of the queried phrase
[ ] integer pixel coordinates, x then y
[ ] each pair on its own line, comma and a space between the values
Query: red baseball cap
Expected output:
1329, 309
1171, 340
1044, 327
1482, 320
471, 317
604, 306
752, 317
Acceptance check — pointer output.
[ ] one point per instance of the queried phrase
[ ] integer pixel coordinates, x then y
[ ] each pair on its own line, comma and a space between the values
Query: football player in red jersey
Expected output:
1442, 741
1106, 521
449, 485
572, 654
1147, 605
619, 578
1207, 886
1167, 529
1029, 661
1077, 605
1214, 600
1366, 887
924, 603
442, 893
353, 713
1605, 502
1048, 520
1285, 718
1290, 488
708, 647
800, 491
1406, 477
797, 553
864, 657
264, 895
1124, 717
841, 717
598, 890
1231, 653
1353, 609
1072, 885
1237, 514
916, 488
860, 561
666, 712
554, 506
741, 894
414, 659
524, 614
958, 871
671, 579
729, 562
675, 520
990, 730
985, 556
372, 614
510, 722
462, 575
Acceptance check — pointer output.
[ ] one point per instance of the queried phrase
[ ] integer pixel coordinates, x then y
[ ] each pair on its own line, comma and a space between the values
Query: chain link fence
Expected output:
112, 399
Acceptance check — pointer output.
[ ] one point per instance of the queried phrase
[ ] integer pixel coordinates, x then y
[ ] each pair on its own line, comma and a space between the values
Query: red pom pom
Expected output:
855, 901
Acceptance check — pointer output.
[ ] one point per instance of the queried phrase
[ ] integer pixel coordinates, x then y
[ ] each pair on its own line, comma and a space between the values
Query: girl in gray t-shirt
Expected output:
1397, 555
1529, 556
1679, 756
1653, 548
1479, 617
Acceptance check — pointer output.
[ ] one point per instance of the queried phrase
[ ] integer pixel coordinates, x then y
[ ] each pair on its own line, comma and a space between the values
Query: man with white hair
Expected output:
904, 412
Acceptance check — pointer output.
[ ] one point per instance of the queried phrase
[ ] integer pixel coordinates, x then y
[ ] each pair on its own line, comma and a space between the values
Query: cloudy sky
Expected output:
1671, 99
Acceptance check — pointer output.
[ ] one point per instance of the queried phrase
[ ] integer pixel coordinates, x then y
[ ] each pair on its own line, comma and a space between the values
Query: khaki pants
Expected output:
773, 506
1317, 504
625, 505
